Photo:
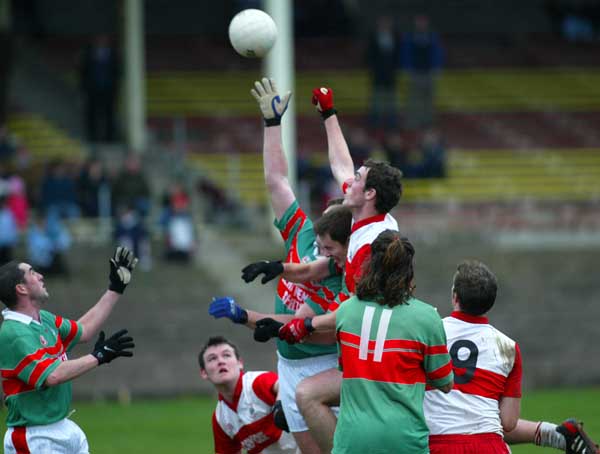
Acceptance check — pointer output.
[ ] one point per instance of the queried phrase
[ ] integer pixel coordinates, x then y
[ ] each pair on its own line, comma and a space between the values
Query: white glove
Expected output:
271, 105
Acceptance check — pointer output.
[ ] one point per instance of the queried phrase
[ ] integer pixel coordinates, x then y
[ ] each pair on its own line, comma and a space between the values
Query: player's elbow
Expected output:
510, 410
276, 183
53, 379
446, 388
509, 423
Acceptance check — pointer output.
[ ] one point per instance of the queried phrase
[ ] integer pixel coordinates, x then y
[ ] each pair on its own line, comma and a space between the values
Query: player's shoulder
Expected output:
47, 317
423, 309
501, 336
249, 376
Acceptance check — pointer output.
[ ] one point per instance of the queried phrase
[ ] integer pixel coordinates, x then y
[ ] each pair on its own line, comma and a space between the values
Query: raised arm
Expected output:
340, 160
275, 165
121, 266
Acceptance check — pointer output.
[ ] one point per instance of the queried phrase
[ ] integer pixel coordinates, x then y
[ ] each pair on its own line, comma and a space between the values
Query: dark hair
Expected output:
337, 222
386, 180
212, 341
335, 201
10, 276
387, 277
475, 287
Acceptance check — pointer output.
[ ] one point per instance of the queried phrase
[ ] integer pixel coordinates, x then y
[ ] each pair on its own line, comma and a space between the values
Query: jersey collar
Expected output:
236, 394
7, 314
470, 318
377, 218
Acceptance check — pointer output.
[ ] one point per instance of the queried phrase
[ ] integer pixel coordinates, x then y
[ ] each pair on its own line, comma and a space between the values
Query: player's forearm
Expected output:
276, 171
306, 272
253, 316
93, 319
274, 161
324, 323
340, 160
322, 338
73, 368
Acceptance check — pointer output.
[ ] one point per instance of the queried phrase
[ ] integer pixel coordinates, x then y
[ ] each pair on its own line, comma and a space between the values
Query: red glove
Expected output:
296, 330
323, 99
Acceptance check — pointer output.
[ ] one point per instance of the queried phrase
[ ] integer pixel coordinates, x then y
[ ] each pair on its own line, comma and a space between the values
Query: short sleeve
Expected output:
438, 367
263, 387
512, 387
69, 331
290, 223
224, 444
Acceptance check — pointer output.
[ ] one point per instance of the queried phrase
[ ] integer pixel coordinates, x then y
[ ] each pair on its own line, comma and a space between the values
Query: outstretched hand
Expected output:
270, 270
116, 345
122, 264
228, 308
322, 99
271, 104
296, 330
266, 329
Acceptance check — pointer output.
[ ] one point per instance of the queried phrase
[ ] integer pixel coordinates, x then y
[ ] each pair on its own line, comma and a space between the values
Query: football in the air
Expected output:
252, 33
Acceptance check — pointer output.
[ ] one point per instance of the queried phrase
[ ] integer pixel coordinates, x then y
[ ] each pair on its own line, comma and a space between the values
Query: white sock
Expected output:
546, 435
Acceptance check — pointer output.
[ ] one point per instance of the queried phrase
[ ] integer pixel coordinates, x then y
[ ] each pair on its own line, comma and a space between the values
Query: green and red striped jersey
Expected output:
300, 244
387, 355
29, 352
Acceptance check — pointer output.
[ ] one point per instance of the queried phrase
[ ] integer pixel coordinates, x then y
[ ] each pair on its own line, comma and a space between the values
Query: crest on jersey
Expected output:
43, 340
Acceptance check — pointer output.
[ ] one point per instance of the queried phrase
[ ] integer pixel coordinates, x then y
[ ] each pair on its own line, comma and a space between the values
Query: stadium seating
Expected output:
473, 176
43, 139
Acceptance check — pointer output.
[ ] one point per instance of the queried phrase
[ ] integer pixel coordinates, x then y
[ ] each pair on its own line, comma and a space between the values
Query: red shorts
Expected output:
468, 444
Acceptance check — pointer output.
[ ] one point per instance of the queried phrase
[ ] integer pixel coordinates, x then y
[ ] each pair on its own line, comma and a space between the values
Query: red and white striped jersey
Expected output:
487, 367
247, 423
359, 250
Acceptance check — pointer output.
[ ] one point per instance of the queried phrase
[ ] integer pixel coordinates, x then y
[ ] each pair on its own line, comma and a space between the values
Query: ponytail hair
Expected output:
388, 277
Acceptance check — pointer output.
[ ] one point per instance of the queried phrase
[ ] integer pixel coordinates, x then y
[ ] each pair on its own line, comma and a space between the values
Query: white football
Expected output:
252, 33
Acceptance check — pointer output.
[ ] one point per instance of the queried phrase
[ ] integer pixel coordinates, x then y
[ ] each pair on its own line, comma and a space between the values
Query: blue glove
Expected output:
227, 307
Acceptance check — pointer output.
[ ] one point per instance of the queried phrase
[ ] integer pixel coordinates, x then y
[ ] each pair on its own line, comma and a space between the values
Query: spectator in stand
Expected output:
58, 193
17, 201
219, 207
359, 146
9, 231
91, 185
48, 241
434, 155
395, 150
176, 221
8, 147
100, 72
383, 58
131, 232
422, 58
131, 189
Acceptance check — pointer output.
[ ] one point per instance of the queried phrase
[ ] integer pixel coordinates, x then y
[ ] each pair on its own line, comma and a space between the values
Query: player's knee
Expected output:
305, 395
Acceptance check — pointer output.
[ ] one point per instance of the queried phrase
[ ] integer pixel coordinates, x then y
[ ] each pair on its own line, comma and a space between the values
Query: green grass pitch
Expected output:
183, 425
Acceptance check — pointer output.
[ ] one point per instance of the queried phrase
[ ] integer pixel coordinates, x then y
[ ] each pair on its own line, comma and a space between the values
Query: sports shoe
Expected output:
578, 442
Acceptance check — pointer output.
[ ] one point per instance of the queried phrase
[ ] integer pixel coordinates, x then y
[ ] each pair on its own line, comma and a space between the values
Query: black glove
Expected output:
270, 269
266, 328
106, 350
279, 417
122, 264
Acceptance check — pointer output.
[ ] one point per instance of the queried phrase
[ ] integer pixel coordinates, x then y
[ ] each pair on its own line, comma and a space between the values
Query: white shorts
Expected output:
293, 371
62, 437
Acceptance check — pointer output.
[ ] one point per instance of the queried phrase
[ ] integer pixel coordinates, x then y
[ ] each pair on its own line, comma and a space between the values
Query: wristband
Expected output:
272, 122
243, 317
325, 114
308, 325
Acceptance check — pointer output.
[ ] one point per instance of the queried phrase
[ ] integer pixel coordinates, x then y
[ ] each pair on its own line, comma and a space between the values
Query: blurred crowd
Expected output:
39, 207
